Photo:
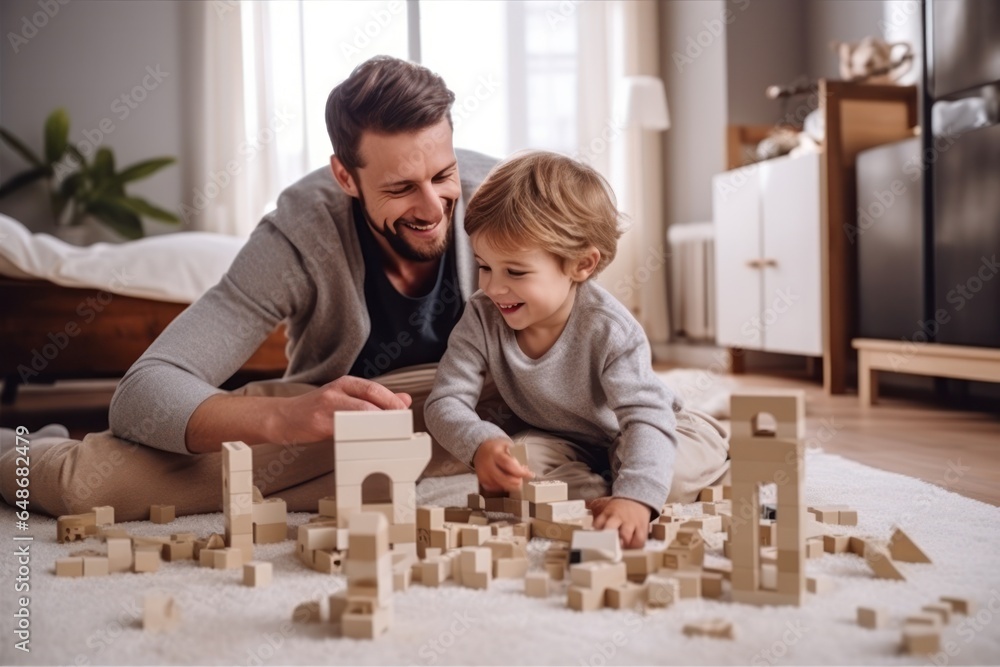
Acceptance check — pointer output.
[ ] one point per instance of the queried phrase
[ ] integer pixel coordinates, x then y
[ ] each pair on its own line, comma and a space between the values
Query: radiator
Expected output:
692, 280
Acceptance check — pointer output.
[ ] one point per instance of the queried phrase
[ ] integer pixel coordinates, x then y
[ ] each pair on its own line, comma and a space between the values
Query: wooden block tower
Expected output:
237, 497
368, 611
760, 456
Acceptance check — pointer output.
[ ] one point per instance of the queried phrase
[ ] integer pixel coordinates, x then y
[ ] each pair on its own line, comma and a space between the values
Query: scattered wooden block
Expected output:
270, 533
942, 609
819, 585
872, 618
903, 549
662, 591
933, 620
159, 613
959, 605
307, 612
146, 558
536, 584
921, 640
510, 568
711, 585
257, 574
711, 494
627, 595
103, 516
69, 567
563, 510
579, 598
161, 513
546, 491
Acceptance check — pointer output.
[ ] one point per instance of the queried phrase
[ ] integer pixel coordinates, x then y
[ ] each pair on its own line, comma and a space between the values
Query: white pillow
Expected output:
176, 267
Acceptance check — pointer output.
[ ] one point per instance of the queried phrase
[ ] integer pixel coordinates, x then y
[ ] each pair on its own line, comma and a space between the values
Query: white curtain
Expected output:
232, 124
622, 40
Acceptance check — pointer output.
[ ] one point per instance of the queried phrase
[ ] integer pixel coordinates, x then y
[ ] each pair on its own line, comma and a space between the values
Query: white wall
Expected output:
84, 58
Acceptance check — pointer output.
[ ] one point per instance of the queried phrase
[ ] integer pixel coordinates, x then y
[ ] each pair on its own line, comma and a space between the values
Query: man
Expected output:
368, 265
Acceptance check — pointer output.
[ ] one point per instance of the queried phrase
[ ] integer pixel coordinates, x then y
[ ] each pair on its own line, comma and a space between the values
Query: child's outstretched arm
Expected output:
648, 446
450, 410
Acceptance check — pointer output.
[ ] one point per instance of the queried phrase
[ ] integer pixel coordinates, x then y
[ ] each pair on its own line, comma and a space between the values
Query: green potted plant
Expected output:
79, 189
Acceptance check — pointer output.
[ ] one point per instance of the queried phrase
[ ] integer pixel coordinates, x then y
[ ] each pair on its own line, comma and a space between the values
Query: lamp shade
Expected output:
642, 102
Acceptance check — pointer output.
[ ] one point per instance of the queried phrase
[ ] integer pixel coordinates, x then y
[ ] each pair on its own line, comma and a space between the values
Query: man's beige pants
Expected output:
71, 476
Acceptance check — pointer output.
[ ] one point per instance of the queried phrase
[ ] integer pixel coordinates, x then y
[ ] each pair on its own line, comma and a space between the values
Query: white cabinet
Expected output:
767, 256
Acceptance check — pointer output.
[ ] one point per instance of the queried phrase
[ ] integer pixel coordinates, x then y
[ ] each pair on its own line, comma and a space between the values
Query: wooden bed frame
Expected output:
70, 333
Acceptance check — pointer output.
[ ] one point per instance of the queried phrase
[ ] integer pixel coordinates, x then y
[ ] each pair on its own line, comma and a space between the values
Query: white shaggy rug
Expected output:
96, 621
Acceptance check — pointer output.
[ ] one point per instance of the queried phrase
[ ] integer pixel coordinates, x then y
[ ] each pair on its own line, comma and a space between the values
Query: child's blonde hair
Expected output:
546, 200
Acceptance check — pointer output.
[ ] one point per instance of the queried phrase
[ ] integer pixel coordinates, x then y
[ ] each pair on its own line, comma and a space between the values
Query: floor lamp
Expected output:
641, 108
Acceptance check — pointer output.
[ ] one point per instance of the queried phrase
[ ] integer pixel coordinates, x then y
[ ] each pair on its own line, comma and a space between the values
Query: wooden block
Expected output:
836, 544
328, 506
662, 591
597, 574
903, 549
322, 536
881, 564
536, 584
228, 558
476, 502
819, 585
710, 494
119, 554
584, 599
402, 576
365, 425
69, 567
236, 457
510, 568
270, 533
546, 491
847, 517
95, 566
825, 514
666, 532
921, 640
561, 531
933, 620
103, 516
715, 628
709, 523
238, 481
872, 618
518, 507
814, 549
603, 542
563, 510
272, 510
689, 583
307, 612
159, 613
410, 447
434, 571
625, 596
476, 559
711, 585
959, 605
72, 527
430, 518
477, 580
639, 563
257, 574
337, 606
942, 609
161, 513
787, 407
370, 624
556, 571
328, 561
146, 558
768, 533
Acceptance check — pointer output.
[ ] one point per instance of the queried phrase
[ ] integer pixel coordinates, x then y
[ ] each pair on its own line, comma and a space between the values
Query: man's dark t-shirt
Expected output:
406, 331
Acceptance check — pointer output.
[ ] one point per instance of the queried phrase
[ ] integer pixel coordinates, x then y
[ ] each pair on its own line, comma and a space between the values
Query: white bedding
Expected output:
176, 267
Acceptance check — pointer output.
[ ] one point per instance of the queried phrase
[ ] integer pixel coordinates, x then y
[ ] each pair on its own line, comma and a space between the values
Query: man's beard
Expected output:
404, 248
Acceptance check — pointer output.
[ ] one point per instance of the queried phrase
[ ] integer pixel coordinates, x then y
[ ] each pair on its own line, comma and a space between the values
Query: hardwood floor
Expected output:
956, 449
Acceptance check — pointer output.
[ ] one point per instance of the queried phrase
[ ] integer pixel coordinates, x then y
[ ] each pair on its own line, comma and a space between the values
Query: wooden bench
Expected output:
897, 356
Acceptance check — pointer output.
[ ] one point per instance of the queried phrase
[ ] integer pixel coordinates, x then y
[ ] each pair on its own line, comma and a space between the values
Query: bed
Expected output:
73, 313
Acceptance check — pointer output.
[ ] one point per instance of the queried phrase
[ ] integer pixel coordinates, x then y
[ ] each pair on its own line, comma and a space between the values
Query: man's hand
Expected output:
496, 469
629, 517
309, 417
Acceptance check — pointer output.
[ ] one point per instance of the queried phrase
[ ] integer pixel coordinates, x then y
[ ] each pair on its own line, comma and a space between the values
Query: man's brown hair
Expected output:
384, 95
544, 200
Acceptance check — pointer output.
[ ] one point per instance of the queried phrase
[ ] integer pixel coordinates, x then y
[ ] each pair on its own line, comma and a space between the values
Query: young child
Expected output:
567, 358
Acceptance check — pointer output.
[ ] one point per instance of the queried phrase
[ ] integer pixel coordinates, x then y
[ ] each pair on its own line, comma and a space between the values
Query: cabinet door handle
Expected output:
754, 263
769, 262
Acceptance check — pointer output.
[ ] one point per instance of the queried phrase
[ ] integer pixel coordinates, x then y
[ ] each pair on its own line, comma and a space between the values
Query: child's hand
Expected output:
496, 469
630, 517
